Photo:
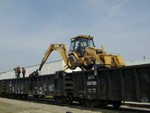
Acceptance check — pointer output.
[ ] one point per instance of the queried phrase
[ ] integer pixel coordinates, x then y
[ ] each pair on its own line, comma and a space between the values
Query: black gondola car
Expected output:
109, 86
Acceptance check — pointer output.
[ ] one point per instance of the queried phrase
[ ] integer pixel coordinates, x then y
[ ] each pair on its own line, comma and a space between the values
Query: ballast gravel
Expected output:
19, 106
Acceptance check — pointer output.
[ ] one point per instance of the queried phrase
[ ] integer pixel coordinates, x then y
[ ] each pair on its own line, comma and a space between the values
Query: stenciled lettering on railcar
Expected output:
91, 83
91, 77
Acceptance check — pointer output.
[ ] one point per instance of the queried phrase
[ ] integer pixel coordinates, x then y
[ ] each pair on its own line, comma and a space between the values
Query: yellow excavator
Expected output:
83, 53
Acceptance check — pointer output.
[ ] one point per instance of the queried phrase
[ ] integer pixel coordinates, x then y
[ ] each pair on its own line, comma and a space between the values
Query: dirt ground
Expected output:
18, 106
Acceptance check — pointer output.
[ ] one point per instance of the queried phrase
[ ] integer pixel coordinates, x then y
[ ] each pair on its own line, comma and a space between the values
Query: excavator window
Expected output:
79, 44
71, 48
85, 42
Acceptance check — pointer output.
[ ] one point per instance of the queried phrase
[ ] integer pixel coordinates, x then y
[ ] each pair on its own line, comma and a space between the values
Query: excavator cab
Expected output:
79, 43
77, 51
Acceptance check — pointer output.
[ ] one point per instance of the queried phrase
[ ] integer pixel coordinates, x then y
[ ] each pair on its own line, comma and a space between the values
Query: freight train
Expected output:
108, 86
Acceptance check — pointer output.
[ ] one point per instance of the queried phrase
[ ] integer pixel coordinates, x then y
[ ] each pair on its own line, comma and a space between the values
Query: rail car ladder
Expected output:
68, 86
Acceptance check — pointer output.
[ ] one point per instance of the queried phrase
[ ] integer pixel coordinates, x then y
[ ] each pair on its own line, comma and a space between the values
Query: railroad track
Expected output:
135, 104
41, 100
127, 107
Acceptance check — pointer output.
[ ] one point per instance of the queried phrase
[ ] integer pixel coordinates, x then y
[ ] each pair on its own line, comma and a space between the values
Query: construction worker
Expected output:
18, 72
23, 72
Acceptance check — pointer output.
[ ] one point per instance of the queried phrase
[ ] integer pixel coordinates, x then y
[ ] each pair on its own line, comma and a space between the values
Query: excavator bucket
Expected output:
34, 74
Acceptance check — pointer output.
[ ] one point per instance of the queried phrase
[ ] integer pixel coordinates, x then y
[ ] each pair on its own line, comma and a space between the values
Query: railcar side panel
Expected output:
85, 85
42, 85
79, 84
131, 83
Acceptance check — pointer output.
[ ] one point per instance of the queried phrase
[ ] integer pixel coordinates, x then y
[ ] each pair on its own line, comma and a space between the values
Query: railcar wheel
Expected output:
25, 96
102, 104
89, 103
81, 102
116, 104
68, 100
63, 100
36, 96
58, 100
41, 96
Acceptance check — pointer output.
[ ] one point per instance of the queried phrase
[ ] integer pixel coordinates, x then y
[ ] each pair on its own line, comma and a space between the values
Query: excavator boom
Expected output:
61, 48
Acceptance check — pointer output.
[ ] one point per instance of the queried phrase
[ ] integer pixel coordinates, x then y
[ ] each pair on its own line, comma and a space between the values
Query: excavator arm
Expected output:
61, 48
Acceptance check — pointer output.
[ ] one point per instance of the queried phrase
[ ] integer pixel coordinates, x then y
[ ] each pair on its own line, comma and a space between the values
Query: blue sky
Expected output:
28, 27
